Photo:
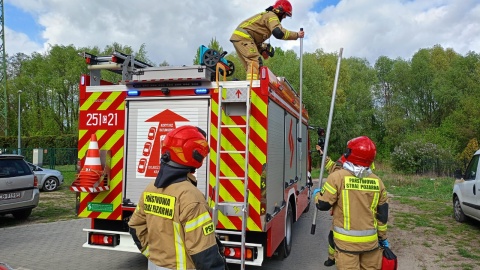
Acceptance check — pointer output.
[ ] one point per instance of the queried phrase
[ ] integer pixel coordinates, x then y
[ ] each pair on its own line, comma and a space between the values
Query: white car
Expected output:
48, 180
466, 191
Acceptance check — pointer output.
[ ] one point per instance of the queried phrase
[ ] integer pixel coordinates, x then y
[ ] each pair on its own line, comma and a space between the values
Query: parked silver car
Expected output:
48, 180
466, 191
18, 187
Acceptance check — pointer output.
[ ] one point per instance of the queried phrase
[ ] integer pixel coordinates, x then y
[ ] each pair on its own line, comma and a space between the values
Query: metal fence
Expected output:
52, 158
437, 167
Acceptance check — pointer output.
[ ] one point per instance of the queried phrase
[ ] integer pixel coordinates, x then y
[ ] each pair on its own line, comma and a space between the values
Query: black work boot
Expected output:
329, 262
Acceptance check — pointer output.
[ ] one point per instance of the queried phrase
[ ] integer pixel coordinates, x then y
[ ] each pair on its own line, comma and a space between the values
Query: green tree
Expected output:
467, 153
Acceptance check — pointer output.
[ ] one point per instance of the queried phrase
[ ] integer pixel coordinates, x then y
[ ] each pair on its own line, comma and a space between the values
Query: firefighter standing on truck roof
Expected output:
248, 38
360, 209
171, 224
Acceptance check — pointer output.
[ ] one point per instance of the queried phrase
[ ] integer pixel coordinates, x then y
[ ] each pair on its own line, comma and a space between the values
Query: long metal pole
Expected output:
301, 109
330, 116
19, 124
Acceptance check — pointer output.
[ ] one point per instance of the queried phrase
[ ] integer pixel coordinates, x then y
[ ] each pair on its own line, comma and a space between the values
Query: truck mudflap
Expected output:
110, 240
254, 253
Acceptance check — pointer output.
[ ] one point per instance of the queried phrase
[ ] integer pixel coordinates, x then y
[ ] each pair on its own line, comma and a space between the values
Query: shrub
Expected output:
419, 157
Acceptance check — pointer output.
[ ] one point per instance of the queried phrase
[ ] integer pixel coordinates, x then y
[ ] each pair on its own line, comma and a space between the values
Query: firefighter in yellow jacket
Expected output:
331, 167
171, 224
249, 37
360, 209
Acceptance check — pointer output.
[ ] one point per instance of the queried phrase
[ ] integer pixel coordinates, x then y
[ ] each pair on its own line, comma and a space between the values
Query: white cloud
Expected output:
173, 30
16, 42
370, 28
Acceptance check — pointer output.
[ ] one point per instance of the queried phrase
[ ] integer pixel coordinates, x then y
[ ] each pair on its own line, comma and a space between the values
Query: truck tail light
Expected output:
236, 253
102, 239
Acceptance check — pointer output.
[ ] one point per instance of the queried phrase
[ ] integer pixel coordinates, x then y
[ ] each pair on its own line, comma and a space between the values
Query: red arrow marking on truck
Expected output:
238, 93
166, 122
290, 143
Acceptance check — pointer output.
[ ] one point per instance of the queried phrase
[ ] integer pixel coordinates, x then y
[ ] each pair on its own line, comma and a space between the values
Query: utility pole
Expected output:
19, 124
3, 77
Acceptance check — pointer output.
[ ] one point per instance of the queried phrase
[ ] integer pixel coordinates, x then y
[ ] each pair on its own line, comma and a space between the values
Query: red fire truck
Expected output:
255, 178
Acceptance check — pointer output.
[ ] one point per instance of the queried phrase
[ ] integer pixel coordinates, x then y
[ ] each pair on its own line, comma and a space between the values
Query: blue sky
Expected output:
320, 5
173, 31
23, 22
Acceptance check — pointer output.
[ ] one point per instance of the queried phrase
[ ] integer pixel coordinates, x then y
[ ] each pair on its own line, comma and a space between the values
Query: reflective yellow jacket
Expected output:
355, 201
259, 28
173, 225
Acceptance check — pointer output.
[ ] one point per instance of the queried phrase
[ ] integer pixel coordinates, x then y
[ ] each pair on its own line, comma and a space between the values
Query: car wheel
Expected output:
50, 184
22, 214
286, 246
457, 210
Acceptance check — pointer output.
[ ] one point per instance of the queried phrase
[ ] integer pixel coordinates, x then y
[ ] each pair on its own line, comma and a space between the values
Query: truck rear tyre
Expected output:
286, 246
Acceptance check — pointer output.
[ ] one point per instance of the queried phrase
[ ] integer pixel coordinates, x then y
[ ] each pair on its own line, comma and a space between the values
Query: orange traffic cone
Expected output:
92, 171
92, 161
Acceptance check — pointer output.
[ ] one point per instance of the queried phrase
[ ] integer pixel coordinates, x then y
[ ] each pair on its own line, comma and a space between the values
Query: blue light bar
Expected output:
201, 91
133, 93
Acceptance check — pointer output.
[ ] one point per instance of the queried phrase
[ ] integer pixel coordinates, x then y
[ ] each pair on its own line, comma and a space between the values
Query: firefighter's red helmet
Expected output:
186, 146
283, 6
361, 151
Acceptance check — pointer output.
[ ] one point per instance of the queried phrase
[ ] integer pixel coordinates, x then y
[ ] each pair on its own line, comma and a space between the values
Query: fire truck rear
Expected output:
255, 178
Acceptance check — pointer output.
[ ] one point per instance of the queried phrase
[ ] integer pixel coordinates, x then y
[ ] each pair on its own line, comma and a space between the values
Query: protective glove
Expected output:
267, 50
384, 243
270, 50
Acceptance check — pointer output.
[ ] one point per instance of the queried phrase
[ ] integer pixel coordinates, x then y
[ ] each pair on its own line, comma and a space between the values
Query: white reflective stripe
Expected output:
354, 232
179, 248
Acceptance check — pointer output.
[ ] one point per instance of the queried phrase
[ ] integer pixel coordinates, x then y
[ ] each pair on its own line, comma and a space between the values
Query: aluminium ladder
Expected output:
243, 205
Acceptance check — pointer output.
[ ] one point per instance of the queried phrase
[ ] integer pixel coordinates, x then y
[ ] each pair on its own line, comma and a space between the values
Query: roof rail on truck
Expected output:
141, 74
118, 62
